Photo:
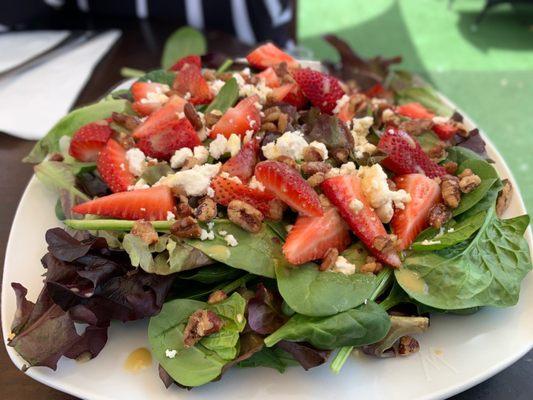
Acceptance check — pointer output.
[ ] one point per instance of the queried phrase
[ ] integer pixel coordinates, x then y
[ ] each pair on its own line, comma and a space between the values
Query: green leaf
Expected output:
58, 176
185, 41
226, 97
155, 172
460, 154
487, 271
159, 76
256, 252
212, 274
269, 357
428, 141
366, 324
70, 123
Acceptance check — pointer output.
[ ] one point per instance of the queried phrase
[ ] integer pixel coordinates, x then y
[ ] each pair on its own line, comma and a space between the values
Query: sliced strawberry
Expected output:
169, 112
149, 204
311, 237
289, 186
239, 119
145, 109
346, 113
190, 82
414, 110
322, 90
445, 131
377, 90
243, 163
405, 156
89, 140
296, 98
410, 221
170, 137
270, 77
141, 91
279, 94
113, 167
268, 55
193, 59
343, 191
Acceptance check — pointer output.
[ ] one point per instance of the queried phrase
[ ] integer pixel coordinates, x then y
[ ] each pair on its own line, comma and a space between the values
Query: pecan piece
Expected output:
245, 216
192, 116
312, 167
201, 323
186, 227
316, 179
276, 209
340, 155
329, 259
407, 345
212, 117
451, 193
504, 197
129, 122
182, 208
269, 127
371, 266
206, 209
311, 154
438, 215
468, 181
450, 167
145, 231
384, 244
416, 127
287, 160
217, 296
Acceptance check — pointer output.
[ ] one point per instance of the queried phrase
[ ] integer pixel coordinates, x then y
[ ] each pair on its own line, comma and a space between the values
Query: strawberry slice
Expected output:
192, 59
190, 82
322, 90
410, 221
172, 136
239, 119
149, 204
445, 131
140, 90
113, 167
89, 140
311, 237
289, 186
405, 156
296, 98
414, 110
343, 191
145, 96
268, 55
346, 113
243, 163
169, 112
270, 77
279, 94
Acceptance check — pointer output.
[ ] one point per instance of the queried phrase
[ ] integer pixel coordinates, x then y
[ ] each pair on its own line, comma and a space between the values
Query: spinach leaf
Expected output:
279, 228
485, 203
184, 42
269, 357
309, 291
159, 76
366, 324
155, 172
226, 97
58, 176
256, 252
461, 154
70, 123
487, 271
429, 141
212, 274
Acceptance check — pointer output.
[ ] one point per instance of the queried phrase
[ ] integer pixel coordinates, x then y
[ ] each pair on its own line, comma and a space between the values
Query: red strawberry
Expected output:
322, 90
414, 110
169, 112
113, 167
296, 98
243, 163
268, 55
279, 94
193, 59
190, 82
149, 204
140, 91
227, 189
89, 140
445, 131
239, 119
410, 221
405, 156
169, 137
270, 77
378, 91
311, 237
343, 192
289, 186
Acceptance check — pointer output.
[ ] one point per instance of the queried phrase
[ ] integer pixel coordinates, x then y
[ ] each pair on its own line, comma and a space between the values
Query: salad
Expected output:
266, 213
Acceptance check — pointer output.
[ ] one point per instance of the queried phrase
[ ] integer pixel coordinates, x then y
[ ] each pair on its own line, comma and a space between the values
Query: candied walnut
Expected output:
129, 122
316, 179
192, 116
384, 244
504, 197
206, 209
201, 323
125, 140
324, 201
274, 120
276, 209
416, 127
340, 155
450, 167
244, 215
407, 345
451, 193
371, 265
329, 259
269, 127
283, 121
468, 181
282, 70
182, 208
145, 231
212, 117
312, 154
272, 114
289, 161
186, 227
438, 215
437, 152
217, 296
312, 167
189, 163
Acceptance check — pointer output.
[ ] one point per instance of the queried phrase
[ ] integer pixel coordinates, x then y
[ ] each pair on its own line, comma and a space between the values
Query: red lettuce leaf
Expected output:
264, 311
307, 355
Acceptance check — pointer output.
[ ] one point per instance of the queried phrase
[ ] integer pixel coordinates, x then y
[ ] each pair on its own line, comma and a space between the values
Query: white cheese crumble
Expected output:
222, 233
194, 181
136, 161
360, 130
255, 184
140, 184
210, 192
247, 89
450, 230
345, 169
321, 148
427, 242
437, 120
356, 205
170, 353
179, 157
230, 177
234, 144
288, 228
216, 85
170, 216
156, 96
249, 133
201, 154
221, 146
290, 144
207, 235
341, 103
343, 266
230, 240
388, 115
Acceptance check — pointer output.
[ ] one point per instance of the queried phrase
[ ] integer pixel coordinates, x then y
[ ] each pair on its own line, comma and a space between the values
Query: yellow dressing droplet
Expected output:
411, 281
219, 252
138, 360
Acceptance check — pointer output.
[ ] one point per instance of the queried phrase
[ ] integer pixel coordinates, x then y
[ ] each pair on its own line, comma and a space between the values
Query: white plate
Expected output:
456, 353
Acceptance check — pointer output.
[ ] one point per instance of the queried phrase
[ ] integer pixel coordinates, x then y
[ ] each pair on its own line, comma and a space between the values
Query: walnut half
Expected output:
244, 215
451, 193
145, 231
201, 323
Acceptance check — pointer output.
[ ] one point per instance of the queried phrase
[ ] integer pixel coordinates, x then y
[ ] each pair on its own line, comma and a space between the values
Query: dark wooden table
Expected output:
140, 47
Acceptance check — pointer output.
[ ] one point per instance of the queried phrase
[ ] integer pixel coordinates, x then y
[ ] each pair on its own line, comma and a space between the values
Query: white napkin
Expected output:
32, 102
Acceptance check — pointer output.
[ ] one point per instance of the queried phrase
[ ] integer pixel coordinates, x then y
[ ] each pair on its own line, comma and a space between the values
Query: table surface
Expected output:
140, 47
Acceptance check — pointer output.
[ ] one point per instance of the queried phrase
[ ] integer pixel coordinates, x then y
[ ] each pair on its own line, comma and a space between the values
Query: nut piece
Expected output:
312, 167
416, 127
340, 155
129, 122
183, 209
384, 244
439, 214
450, 167
407, 345
274, 120
329, 259
145, 231
316, 179
217, 296
311, 153
468, 181
186, 227
287, 160
269, 127
212, 117
201, 323
324, 201
451, 193
277, 207
504, 198
206, 209
245, 216
192, 116
209, 74
371, 265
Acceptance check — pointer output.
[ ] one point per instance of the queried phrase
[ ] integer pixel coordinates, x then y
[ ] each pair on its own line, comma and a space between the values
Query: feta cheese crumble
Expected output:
136, 161
247, 89
221, 146
216, 85
427, 242
194, 181
290, 144
170, 353
207, 235
230, 177
230, 240
356, 205
140, 184
179, 157
343, 266
341, 103
201, 154
360, 130
157, 95
234, 144
210, 192
345, 169
321, 148
255, 184
170, 216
